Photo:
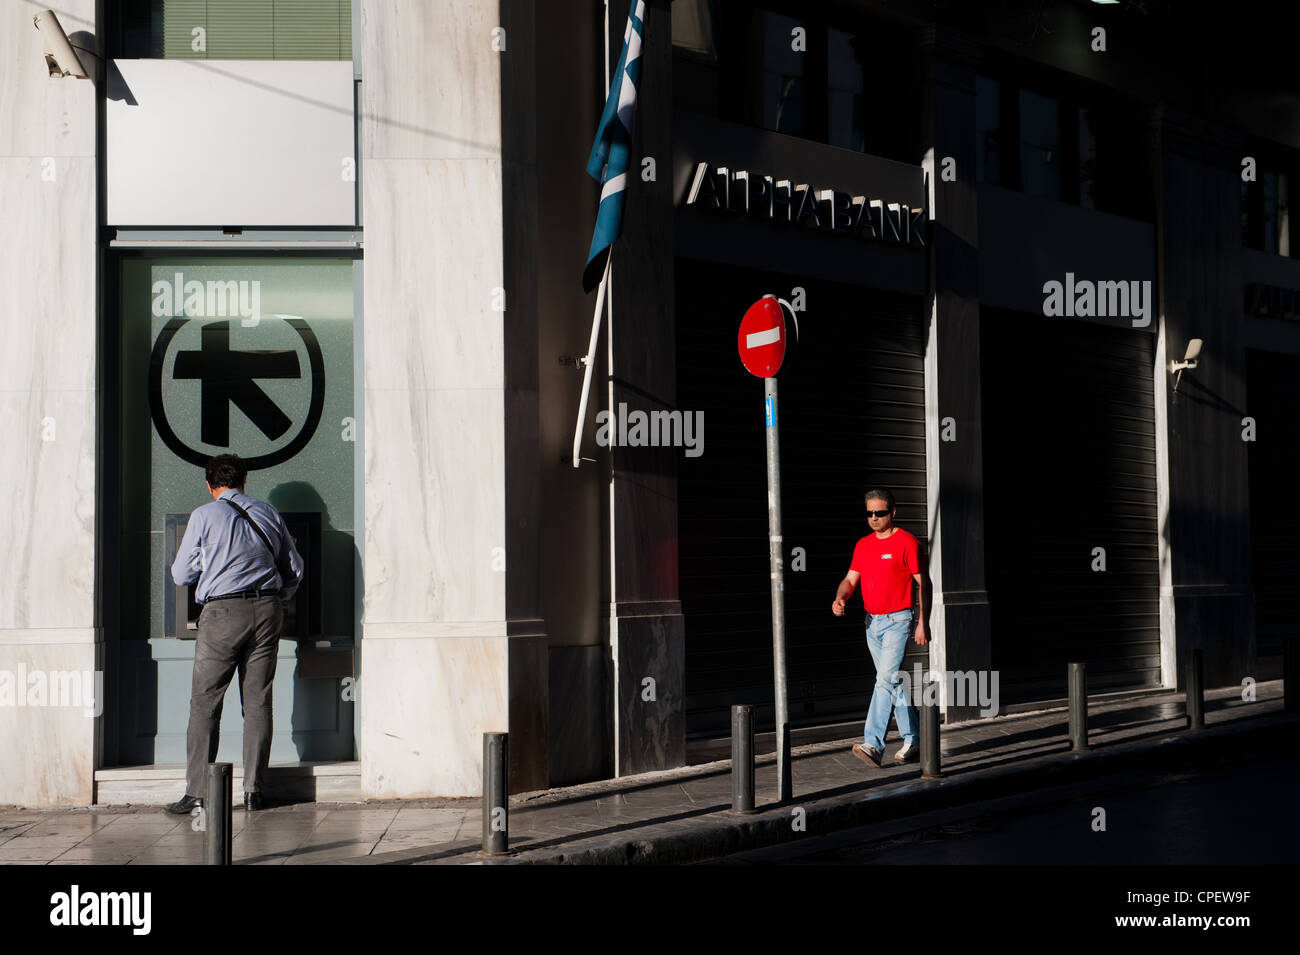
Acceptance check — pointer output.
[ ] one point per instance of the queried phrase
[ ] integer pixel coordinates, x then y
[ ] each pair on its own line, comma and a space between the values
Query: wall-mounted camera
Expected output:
67, 56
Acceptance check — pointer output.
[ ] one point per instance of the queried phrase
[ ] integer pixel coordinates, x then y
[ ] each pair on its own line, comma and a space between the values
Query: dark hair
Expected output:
881, 494
227, 470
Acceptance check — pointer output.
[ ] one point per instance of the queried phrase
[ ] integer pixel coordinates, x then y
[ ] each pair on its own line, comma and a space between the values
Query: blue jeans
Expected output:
887, 635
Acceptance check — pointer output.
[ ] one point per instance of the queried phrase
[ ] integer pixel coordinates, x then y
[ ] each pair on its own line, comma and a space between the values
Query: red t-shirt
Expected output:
886, 565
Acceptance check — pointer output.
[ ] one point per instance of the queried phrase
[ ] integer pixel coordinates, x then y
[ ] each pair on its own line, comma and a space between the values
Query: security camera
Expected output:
61, 58
1189, 361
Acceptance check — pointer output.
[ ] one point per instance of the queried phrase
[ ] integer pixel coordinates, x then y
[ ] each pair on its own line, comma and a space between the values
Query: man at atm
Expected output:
244, 561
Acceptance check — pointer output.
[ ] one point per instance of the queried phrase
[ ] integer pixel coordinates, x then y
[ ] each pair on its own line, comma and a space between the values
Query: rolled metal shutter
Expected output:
851, 414
1069, 467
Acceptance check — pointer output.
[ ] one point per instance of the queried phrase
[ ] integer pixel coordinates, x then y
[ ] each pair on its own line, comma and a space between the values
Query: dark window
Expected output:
1247, 217
988, 131
789, 70
1265, 211
236, 29
1276, 213
1057, 147
846, 102
783, 42
1087, 159
693, 28
1040, 145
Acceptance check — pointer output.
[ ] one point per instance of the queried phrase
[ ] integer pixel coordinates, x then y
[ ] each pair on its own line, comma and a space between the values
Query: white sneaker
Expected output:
905, 755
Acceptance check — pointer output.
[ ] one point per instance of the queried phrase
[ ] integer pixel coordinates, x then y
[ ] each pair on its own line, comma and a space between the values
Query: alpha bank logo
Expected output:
787, 201
216, 352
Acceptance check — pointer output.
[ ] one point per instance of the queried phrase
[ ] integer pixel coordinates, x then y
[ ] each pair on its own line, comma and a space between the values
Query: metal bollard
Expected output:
1291, 674
930, 732
1195, 686
496, 793
742, 758
216, 815
1078, 681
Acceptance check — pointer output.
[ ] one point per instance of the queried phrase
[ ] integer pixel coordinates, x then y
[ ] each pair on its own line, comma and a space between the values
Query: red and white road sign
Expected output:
761, 340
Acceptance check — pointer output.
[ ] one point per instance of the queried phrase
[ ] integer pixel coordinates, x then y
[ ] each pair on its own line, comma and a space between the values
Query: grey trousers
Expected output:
239, 634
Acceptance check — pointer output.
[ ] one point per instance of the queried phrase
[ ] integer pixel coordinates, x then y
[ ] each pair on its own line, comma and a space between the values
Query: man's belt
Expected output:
246, 594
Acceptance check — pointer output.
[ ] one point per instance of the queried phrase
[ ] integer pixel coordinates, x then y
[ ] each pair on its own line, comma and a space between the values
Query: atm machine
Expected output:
302, 619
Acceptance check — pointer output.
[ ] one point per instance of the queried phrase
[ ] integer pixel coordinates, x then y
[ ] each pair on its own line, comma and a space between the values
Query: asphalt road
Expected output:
1226, 813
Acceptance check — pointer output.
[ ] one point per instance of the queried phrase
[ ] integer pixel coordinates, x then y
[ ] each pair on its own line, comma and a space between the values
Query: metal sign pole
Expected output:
776, 554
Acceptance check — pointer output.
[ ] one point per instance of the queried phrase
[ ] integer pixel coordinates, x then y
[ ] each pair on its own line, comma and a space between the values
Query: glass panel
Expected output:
782, 74
988, 131
1283, 216
1040, 145
250, 356
1247, 221
1087, 160
693, 26
1268, 185
846, 105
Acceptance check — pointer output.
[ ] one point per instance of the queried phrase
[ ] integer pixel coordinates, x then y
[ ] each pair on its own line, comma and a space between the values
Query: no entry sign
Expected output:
761, 340
762, 346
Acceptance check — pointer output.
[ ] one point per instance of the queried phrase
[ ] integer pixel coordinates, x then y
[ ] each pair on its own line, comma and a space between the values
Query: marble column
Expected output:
49, 637
452, 646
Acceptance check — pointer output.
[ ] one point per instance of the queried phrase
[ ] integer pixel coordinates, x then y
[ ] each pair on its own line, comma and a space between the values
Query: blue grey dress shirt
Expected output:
225, 555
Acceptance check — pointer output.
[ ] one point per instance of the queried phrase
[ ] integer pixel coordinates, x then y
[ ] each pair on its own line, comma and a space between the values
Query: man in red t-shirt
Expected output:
886, 561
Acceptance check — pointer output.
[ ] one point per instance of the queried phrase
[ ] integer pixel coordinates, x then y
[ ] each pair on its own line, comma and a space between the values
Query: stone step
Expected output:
161, 783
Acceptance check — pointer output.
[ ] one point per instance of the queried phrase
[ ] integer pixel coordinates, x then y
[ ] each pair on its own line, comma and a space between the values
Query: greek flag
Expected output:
610, 154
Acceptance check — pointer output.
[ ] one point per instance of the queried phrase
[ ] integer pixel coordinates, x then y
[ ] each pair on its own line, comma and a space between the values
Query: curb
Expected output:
726, 833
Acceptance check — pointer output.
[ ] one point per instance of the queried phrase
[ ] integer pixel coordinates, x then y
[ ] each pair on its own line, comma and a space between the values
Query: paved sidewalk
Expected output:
680, 815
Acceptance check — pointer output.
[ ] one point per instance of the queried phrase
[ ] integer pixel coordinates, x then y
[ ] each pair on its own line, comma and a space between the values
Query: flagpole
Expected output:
616, 689
590, 360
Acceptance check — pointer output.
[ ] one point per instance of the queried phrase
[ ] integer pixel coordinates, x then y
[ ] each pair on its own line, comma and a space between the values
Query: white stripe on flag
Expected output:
768, 337
633, 40
612, 186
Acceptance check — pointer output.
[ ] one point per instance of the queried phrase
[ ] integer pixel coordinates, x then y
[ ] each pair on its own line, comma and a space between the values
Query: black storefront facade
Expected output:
1004, 369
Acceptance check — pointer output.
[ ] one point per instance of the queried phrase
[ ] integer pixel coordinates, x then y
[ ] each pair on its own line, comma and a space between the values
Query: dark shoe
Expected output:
868, 754
252, 802
184, 806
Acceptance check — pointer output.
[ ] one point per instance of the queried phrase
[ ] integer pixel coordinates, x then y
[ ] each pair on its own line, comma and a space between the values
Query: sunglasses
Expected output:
879, 513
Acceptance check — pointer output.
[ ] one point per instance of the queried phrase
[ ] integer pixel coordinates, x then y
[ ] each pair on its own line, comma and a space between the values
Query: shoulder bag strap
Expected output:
260, 533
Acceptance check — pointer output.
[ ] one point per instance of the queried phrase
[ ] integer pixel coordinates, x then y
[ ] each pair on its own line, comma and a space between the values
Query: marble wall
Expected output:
47, 410
451, 644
